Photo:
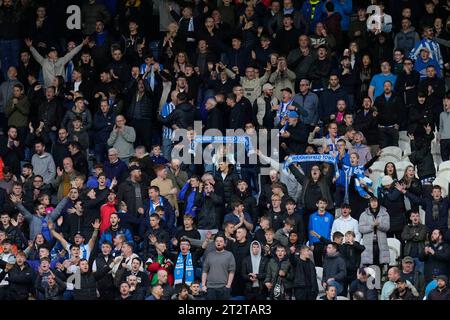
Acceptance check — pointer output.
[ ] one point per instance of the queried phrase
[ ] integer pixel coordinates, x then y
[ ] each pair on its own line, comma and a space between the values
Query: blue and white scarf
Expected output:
358, 172
226, 140
284, 109
313, 158
180, 270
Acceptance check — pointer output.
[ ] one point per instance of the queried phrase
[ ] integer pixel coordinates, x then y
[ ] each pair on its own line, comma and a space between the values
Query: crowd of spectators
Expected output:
95, 204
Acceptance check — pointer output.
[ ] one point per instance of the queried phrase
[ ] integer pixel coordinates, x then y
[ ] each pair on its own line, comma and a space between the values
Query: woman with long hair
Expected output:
180, 63
365, 72
412, 184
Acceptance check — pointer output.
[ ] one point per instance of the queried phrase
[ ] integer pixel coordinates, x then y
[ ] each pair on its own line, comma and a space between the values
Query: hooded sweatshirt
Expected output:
106, 211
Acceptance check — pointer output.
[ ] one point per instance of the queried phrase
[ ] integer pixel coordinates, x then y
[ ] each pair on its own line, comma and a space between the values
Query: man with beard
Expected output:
402, 292
11, 150
441, 292
218, 272
132, 192
43, 163
436, 256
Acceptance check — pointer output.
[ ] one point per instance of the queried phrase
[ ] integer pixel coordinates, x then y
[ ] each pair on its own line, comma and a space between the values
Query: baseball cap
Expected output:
267, 86
51, 49
443, 278
386, 181
293, 114
407, 259
132, 168
400, 280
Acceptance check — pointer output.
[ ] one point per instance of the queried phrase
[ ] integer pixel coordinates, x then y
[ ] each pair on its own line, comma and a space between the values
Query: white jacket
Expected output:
343, 225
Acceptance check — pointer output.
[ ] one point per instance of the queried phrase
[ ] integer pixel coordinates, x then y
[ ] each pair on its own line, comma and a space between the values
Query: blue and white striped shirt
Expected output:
165, 111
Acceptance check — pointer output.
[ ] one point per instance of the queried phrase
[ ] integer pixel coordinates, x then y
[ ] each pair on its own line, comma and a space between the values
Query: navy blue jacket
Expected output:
102, 126
168, 224
118, 170
427, 203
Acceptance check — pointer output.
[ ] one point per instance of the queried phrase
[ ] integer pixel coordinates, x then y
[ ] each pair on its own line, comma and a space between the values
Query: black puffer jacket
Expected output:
51, 113
88, 287
20, 282
229, 183
142, 109
183, 116
304, 273
437, 263
421, 156
352, 255
211, 212
334, 267
394, 202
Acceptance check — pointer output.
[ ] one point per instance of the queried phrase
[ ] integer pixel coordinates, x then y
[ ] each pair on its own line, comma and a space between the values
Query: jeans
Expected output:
419, 265
9, 52
445, 149
167, 148
218, 293
388, 137
100, 150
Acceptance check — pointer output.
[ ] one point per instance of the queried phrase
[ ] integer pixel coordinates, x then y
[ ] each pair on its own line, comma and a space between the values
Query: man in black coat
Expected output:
240, 112
79, 158
388, 107
105, 286
183, 116
435, 89
436, 256
12, 150
60, 149
214, 118
294, 135
305, 278
240, 249
250, 275
20, 279
329, 98
132, 192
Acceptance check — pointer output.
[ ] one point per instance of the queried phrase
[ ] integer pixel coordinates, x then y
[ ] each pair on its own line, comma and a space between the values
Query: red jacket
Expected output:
105, 213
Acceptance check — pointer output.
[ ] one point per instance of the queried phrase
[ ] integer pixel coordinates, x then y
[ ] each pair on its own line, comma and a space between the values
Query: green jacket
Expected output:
18, 114
272, 272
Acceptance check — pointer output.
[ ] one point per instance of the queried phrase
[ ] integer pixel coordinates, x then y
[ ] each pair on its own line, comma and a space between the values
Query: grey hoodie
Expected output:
44, 165
406, 40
